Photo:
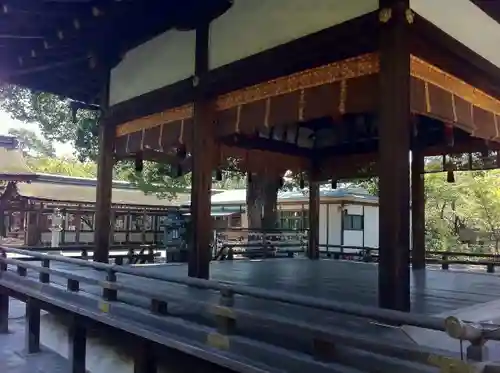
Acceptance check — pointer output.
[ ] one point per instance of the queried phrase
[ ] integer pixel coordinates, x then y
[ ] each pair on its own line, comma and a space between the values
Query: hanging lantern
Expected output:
302, 183
450, 175
334, 183
181, 152
179, 170
285, 134
218, 174
139, 164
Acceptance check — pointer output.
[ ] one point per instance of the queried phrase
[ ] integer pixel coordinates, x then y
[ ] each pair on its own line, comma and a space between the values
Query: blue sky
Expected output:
6, 122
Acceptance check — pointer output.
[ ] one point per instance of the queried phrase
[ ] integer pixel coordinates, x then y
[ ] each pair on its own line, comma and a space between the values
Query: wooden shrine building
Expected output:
331, 88
30, 200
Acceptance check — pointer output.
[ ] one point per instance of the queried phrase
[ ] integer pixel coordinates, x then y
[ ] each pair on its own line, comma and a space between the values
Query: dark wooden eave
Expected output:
65, 46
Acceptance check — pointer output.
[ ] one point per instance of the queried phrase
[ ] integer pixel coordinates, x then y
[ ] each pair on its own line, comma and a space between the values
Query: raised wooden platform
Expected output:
434, 291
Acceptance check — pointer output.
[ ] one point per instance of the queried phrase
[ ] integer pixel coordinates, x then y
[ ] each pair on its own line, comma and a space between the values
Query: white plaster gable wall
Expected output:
159, 62
465, 22
253, 26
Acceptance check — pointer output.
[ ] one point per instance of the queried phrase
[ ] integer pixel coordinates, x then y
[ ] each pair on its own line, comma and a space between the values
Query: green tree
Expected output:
62, 166
31, 143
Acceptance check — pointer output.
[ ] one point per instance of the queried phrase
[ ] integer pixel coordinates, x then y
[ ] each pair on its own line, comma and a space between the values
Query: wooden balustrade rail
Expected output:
223, 339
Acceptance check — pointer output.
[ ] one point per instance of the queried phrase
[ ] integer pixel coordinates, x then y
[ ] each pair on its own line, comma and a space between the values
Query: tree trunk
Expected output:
262, 195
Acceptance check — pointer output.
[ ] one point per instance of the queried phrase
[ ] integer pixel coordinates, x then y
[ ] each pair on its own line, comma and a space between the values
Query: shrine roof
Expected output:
86, 194
13, 167
61, 46
355, 195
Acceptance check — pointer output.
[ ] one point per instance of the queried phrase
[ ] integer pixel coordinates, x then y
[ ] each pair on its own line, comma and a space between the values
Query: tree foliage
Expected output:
32, 144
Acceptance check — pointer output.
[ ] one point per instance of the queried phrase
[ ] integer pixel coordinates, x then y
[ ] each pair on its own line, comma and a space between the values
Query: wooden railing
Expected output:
444, 258
253, 243
119, 254
222, 331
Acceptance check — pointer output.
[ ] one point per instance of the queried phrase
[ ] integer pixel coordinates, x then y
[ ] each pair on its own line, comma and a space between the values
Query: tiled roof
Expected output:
238, 196
13, 167
60, 192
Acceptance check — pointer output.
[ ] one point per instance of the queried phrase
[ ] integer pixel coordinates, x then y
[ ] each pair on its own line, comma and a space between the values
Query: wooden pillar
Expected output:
394, 149
418, 210
4, 311
32, 329
202, 158
77, 341
313, 243
78, 223
105, 165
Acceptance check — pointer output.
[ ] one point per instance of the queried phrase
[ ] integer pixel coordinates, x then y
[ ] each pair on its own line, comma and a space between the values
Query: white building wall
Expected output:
371, 226
323, 221
249, 27
334, 224
159, 62
253, 26
458, 18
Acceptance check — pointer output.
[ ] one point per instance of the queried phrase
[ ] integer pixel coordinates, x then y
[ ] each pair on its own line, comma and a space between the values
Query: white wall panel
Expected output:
371, 226
334, 224
465, 22
253, 26
322, 224
161, 61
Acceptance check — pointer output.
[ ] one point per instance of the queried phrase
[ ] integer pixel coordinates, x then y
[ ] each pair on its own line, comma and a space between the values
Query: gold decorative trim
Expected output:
355, 67
167, 116
340, 71
385, 15
429, 73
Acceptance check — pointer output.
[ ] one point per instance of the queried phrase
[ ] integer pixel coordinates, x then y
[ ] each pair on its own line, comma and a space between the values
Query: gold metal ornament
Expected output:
410, 16
385, 15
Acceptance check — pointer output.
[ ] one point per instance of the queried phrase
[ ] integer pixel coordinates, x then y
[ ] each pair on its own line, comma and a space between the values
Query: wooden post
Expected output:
4, 311
394, 151
144, 359
77, 341
313, 243
78, 223
32, 330
418, 210
202, 158
105, 165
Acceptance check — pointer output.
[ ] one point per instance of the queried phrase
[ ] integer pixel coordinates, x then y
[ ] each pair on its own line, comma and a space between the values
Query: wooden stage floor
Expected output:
433, 290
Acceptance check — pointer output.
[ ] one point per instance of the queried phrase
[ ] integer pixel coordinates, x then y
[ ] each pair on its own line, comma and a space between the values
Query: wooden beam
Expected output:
394, 149
202, 160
